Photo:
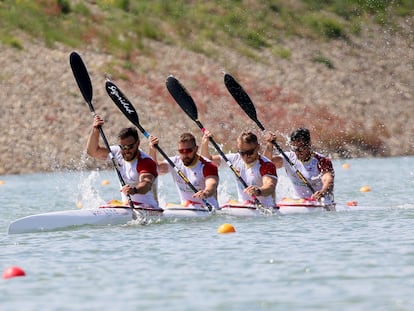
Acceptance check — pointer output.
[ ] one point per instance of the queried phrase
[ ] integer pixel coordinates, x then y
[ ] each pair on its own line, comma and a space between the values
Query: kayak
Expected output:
306, 205
109, 214
235, 208
117, 213
172, 210
283, 207
113, 213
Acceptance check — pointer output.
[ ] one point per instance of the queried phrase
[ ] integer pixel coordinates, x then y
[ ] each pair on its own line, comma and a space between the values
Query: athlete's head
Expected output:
187, 148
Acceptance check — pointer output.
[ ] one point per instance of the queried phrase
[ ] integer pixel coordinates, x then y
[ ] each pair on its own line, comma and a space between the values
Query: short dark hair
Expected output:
128, 132
184, 137
301, 134
248, 138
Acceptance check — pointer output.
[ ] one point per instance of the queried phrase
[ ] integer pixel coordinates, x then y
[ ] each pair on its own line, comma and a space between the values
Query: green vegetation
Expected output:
121, 26
323, 60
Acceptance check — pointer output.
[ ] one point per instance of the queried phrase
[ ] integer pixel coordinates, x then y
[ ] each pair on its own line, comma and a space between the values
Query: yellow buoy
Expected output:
105, 182
79, 204
346, 166
365, 189
226, 228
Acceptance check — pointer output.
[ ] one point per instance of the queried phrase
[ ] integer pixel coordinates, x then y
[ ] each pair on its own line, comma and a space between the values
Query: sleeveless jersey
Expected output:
196, 174
130, 172
252, 174
312, 170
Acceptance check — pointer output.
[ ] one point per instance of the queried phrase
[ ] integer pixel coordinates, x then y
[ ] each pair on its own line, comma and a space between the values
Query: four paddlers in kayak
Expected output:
140, 171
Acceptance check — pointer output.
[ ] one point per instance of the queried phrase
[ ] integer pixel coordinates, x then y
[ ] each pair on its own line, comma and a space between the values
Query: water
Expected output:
354, 260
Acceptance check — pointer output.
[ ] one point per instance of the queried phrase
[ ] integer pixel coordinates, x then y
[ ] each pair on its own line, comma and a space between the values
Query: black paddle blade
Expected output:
82, 77
241, 97
182, 97
122, 102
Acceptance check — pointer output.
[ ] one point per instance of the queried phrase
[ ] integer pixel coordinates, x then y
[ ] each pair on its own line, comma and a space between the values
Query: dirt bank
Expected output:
362, 104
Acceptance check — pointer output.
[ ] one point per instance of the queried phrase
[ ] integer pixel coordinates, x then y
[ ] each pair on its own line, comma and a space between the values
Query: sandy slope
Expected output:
366, 100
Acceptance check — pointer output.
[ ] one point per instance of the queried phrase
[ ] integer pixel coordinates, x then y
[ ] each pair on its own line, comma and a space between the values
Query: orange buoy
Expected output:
346, 166
105, 182
365, 189
226, 228
12, 272
2, 182
352, 203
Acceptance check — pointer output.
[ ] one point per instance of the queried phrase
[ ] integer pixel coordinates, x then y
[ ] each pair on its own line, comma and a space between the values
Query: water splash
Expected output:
88, 196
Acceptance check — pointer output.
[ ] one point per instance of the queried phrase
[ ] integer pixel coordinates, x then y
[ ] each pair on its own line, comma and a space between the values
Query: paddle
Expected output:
186, 102
244, 101
129, 111
85, 85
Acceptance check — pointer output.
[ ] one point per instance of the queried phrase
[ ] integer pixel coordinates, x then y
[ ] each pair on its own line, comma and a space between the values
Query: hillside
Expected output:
356, 95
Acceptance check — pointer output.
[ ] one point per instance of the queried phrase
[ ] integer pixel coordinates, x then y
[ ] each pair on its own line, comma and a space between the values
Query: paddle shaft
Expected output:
171, 163
244, 101
129, 111
111, 156
85, 85
187, 104
114, 162
230, 165
280, 150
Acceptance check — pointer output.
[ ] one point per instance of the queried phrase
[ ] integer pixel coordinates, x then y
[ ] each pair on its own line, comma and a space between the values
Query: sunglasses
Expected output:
127, 147
247, 152
185, 150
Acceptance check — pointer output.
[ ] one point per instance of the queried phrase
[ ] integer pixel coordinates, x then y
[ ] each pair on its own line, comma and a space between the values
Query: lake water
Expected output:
350, 260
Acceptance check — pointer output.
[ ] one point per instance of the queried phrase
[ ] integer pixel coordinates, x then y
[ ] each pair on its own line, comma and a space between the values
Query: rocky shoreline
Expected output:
365, 102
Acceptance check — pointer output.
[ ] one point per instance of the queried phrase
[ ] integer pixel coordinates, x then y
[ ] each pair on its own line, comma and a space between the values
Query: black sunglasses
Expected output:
127, 147
247, 152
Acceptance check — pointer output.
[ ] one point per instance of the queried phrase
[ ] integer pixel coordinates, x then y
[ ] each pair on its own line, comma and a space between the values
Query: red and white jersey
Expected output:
130, 172
196, 174
312, 170
252, 174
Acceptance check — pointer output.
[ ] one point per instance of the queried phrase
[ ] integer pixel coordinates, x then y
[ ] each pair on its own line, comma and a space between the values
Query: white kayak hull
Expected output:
234, 208
172, 210
284, 207
185, 212
70, 218
302, 206
116, 214
111, 214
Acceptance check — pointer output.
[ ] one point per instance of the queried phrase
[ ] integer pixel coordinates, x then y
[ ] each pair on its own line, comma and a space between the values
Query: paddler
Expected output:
138, 170
201, 173
315, 167
258, 172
